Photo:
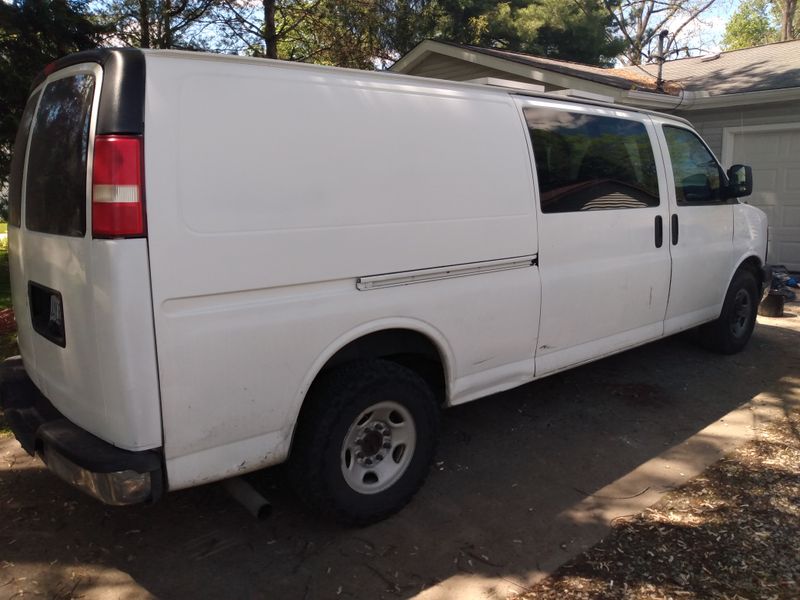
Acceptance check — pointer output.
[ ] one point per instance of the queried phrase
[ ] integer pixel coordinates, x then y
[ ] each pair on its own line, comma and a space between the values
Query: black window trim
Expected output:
119, 108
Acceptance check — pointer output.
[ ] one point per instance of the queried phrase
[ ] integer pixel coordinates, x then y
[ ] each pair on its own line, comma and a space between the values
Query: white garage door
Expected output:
774, 155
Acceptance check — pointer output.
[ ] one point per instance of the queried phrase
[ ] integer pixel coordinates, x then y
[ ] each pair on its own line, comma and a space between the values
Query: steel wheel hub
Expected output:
740, 316
378, 447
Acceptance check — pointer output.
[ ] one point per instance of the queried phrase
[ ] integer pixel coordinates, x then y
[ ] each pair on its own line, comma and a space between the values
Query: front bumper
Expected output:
110, 474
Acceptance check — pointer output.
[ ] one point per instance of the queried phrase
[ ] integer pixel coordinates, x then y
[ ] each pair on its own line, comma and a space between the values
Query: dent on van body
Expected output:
749, 233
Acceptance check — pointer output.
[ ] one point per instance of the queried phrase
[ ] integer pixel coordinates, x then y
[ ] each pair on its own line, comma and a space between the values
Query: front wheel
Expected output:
730, 333
365, 441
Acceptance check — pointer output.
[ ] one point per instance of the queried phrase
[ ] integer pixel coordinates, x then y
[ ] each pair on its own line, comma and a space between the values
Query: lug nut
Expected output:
387, 445
379, 457
368, 461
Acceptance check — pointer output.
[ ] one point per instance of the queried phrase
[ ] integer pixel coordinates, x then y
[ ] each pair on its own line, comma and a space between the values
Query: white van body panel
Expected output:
605, 259
105, 377
749, 235
292, 210
254, 261
703, 258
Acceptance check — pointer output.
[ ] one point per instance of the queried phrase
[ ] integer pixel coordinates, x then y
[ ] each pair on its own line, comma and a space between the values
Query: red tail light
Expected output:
117, 203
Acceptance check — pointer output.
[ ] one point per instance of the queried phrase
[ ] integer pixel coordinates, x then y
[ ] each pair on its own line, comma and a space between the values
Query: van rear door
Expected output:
82, 304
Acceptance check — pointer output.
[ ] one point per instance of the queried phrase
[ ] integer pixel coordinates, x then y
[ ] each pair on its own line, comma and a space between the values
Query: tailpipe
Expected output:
247, 496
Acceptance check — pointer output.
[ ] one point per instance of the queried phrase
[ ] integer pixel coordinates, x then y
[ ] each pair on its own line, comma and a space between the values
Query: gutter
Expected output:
702, 100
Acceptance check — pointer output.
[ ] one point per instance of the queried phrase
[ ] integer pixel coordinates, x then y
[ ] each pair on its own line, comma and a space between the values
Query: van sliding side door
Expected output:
603, 254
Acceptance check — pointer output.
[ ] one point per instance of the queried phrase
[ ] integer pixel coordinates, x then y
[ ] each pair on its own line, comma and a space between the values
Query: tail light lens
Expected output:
117, 202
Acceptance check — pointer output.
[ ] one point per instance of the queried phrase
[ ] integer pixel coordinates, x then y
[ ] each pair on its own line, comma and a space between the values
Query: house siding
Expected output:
710, 123
444, 67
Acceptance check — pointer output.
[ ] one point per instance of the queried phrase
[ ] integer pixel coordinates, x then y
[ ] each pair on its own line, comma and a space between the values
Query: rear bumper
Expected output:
110, 474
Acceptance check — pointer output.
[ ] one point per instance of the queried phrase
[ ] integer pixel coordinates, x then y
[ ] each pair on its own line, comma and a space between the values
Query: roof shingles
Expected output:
769, 67
773, 66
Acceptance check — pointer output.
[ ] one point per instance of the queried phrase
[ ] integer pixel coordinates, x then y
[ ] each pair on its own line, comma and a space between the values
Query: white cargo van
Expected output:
220, 264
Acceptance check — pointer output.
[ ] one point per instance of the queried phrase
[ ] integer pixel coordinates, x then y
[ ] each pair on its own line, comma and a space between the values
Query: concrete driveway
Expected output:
523, 481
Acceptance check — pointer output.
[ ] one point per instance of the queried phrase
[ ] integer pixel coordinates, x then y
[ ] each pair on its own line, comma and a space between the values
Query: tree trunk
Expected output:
144, 23
270, 37
166, 42
788, 9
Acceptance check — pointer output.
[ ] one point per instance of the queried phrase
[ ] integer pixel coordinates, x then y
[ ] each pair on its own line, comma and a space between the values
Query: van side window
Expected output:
18, 163
698, 177
588, 162
55, 196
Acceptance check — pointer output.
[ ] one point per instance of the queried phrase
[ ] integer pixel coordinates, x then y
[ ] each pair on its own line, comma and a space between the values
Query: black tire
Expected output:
730, 333
319, 458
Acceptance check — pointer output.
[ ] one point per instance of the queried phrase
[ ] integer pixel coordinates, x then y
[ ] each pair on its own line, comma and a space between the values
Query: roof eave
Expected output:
543, 75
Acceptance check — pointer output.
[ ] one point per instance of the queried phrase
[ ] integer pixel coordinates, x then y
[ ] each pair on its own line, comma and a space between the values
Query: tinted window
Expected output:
698, 176
586, 162
18, 163
55, 198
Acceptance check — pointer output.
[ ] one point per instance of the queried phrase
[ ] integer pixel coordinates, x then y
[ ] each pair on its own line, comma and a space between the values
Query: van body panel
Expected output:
607, 258
228, 384
102, 376
749, 234
703, 257
245, 253
292, 210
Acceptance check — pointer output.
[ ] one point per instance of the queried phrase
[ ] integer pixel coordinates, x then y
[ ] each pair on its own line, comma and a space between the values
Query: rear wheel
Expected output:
365, 441
730, 333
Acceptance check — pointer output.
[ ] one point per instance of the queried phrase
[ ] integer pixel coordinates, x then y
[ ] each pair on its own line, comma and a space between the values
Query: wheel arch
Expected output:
411, 343
752, 263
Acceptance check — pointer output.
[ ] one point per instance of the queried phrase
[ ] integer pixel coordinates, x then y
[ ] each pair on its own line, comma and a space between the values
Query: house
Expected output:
745, 103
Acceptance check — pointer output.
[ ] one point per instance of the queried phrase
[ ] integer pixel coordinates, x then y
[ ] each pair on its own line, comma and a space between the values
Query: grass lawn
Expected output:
5, 284
8, 342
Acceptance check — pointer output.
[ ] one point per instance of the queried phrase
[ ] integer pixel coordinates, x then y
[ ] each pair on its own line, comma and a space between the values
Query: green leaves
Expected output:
32, 34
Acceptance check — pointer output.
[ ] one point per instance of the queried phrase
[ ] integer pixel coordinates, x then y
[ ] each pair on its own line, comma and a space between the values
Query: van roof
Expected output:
101, 55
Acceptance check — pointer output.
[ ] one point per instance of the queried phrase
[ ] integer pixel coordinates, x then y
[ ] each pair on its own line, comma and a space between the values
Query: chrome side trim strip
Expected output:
374, 282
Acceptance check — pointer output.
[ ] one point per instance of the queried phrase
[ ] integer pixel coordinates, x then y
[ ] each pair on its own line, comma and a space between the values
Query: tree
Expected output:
788, 11
351, 33
267, 28
758, 22
641, 21
751, 25
579, 30
157, 23
32, 34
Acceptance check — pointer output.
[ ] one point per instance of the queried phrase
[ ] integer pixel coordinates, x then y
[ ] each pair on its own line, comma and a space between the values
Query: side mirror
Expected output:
741, 181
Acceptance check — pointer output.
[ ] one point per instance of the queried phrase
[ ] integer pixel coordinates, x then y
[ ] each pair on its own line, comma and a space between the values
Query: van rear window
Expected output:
588, 162
55, 197
18, 162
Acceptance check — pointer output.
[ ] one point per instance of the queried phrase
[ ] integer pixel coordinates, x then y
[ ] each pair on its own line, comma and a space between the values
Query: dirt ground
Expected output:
500, 509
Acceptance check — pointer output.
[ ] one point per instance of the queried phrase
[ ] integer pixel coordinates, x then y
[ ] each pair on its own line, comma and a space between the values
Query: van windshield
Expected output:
55, 197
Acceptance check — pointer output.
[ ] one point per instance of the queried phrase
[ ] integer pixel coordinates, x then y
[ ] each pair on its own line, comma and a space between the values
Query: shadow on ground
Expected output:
508, 467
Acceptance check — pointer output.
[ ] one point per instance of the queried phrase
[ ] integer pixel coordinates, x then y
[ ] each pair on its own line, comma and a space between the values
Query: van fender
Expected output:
416, 325
748, 257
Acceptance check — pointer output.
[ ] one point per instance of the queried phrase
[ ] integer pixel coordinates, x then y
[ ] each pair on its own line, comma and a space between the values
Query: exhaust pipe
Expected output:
247, 496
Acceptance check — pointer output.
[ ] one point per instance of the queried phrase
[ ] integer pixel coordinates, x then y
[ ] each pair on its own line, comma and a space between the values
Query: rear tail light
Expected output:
117, 203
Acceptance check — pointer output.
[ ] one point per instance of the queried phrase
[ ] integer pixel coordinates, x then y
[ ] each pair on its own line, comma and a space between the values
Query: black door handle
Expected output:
674, 229
659, 231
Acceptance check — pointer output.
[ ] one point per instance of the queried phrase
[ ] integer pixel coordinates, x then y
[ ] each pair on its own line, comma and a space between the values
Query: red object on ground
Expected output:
8, 324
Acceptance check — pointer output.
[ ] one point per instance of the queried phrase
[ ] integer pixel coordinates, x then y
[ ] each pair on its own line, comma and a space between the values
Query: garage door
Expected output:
775, 158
